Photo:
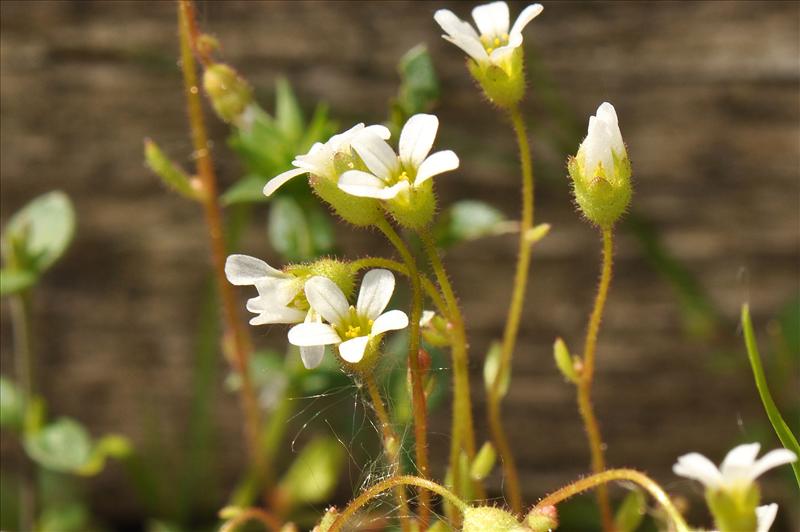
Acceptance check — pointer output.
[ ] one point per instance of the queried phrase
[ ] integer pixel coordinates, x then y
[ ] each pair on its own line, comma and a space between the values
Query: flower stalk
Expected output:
611, 475
514, 314
587, 378
418, 401
235, 333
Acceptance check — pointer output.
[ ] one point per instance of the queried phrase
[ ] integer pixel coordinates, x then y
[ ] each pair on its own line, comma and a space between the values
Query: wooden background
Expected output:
707, 94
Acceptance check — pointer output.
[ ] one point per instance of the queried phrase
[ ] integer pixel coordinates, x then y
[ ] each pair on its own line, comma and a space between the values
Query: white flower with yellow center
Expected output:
496, 43
350, 328
321, 158
277, 300
738, 471
391, 175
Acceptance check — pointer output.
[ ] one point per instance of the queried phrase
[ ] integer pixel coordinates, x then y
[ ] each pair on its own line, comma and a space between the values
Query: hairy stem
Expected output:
391, 446
611, 475
514, 315
418, 401
234, 332
376, 489
252, 514
399, 267
587, 378
463, 432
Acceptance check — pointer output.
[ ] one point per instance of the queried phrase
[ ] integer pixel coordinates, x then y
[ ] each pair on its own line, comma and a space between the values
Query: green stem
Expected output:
427, 285
783, 431
463, 432
514, 314
24, 363
418, 393
587, 378
253, 514
205, 171
391, 447
376, 489
602, 479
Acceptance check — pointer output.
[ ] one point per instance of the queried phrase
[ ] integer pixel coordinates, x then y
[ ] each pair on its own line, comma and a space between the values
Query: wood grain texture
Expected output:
707, 94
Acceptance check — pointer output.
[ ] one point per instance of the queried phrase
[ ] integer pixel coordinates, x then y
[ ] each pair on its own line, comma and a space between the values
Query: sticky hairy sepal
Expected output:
503, 84
489, 519
414, 208
603, 196
361, 212
337, 271
734, 510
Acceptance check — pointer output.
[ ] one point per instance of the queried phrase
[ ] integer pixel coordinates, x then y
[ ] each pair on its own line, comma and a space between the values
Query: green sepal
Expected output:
361, 212
734, 510
489, 519
602, 197
414, 208
503, 85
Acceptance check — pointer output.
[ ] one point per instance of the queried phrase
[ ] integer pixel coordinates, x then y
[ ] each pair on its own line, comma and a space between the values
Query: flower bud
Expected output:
229, 93
542, 519
489, 519
564, 361
601, 170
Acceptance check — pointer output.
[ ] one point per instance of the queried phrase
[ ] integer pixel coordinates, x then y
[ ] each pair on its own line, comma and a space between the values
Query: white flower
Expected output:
496, 43
351, 328
765, 515
277, 291
603, 141
320, 159
738, 470
389, 175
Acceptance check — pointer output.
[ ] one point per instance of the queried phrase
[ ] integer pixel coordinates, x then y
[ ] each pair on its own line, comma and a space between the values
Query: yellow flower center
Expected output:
352, 332
492, 43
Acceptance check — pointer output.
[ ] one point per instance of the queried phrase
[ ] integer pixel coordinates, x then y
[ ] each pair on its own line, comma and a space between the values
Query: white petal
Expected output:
245, 270
607, 114
310, 334
765, 516
492, 19
279, 180
417, 138
275, 315
363, 184
353, 350
597, 146
395, 190
698, 467
376, 154
312, 355
454, 26
377, 288
393, 320
472, 47
739, 461
439, 162
772, 459
427, 316
379, 130
528, 14
501, 54
326, 298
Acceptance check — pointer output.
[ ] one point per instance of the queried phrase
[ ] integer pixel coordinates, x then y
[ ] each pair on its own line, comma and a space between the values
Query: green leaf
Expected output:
171, 175
262, 145
288, 114
468, 220
12, 405
491, 367
70, 517
419, 87
483, 463
63, 445
315, 472
39, 234
248, 189
631, 512
319, 129
110, 446
788, 440
15, 281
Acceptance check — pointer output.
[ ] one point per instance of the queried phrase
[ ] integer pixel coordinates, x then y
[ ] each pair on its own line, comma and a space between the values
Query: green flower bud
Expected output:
564, 361
601, 170
542, 519
229, 93
489, 519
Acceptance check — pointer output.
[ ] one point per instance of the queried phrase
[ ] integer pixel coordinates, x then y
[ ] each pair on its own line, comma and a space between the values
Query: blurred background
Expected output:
708, 102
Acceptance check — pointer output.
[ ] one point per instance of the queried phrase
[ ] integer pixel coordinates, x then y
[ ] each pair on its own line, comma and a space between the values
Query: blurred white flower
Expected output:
766, 516
277, 291
495, 43
350, 328
738, 470
390, 175
320, 159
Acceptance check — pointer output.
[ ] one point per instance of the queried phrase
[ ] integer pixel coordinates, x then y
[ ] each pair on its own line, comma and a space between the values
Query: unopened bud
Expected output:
229, 93
601, 170
542, 519
564, 361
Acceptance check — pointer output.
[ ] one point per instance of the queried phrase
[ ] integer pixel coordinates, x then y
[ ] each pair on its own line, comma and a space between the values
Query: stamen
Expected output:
497, 41
352, 332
